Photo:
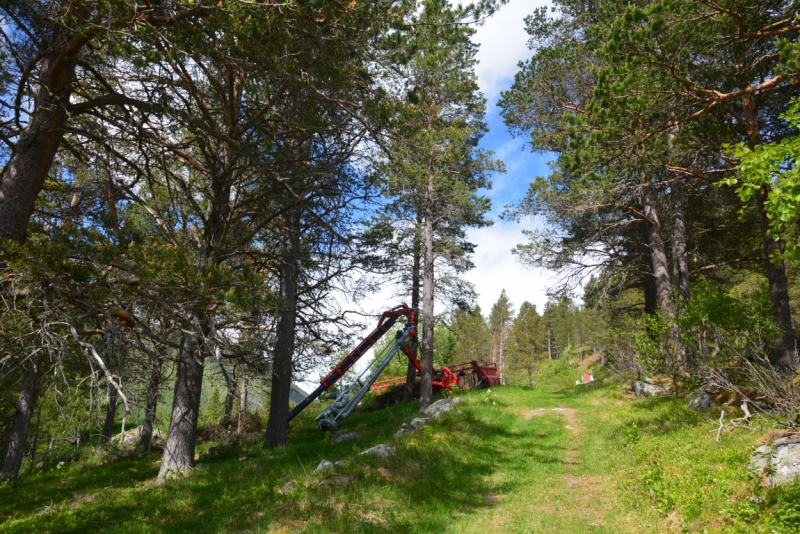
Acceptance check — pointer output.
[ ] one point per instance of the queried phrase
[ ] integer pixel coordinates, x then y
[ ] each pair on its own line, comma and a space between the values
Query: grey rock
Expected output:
440, 407
132, 436
704, 401
324, 466
379, 451
333, 480
404, 430
777, 463
287, 488
419, 422
644, 389
345, 437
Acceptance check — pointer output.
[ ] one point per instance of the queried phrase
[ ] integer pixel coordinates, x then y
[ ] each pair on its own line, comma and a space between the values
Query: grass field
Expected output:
572, 460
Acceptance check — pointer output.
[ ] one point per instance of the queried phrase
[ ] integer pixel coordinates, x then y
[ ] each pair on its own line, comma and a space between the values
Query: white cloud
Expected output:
496, 269
503, 43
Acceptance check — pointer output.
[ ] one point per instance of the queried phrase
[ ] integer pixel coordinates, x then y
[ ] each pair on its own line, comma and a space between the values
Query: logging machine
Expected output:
346, 400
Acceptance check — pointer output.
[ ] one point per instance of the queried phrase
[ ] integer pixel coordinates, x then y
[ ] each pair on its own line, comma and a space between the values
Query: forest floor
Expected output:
580, 459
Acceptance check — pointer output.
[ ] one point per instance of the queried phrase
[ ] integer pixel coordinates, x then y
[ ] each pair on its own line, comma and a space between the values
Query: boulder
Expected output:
379, 451
324, 466
344, 437
132, 436
704, 401
645, 389
778, 462
440, 407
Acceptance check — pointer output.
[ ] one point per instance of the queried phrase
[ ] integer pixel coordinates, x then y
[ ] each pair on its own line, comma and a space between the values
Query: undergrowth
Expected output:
508, 461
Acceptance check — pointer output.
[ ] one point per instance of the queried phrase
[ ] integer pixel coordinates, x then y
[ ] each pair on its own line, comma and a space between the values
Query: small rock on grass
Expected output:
404, 430
645, 389
440, 407
333, 480
324, 466
345, 437
287, 488
419, 422
380, 451
704, 401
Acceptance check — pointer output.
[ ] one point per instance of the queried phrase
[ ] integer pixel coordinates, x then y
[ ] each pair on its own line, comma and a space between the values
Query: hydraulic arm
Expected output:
386, 322
346, 400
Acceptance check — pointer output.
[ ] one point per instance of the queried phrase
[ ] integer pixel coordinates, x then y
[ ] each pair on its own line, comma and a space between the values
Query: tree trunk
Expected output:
146, 432
179, 448
658, 252
782, 355
426, 383
38, 142
19, 426
411, 370
36, 431
230, 385
278, 424
243, 402
680, 261
111, 413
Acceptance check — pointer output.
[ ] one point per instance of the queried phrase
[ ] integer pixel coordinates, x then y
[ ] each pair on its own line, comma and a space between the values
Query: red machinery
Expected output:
347, 399
469, 375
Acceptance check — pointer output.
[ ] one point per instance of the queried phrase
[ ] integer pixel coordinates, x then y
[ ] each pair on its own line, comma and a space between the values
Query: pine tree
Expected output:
473, 340
435, 155
526, 343
499, 321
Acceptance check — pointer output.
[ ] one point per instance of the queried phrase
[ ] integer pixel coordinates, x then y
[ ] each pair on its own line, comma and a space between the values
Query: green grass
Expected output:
624, 466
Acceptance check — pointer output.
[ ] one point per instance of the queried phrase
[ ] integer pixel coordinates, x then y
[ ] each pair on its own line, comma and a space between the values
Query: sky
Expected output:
503, 44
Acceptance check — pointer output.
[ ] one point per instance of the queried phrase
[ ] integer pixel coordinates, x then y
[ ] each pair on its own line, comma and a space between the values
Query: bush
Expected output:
556, 374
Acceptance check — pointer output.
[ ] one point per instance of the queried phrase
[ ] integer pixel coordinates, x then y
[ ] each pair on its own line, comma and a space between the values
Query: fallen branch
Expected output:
744, 420
721, 424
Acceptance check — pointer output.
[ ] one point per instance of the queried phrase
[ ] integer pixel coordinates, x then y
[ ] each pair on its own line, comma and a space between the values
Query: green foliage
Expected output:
650, 338
772, 168
214, 409
733, 323
636, 454
557, 374
473, 341
527, 346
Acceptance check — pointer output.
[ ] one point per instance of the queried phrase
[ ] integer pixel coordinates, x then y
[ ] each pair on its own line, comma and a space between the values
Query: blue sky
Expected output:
503, 44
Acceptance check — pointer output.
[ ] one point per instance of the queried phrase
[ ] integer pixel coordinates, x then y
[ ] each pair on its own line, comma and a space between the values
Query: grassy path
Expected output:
558, 484
577, 460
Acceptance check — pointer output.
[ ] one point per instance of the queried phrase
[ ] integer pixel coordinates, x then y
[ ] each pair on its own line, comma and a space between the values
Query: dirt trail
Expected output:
574, 491
565, 489
573, 425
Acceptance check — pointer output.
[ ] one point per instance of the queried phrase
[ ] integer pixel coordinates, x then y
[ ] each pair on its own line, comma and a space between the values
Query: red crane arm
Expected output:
386, 322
